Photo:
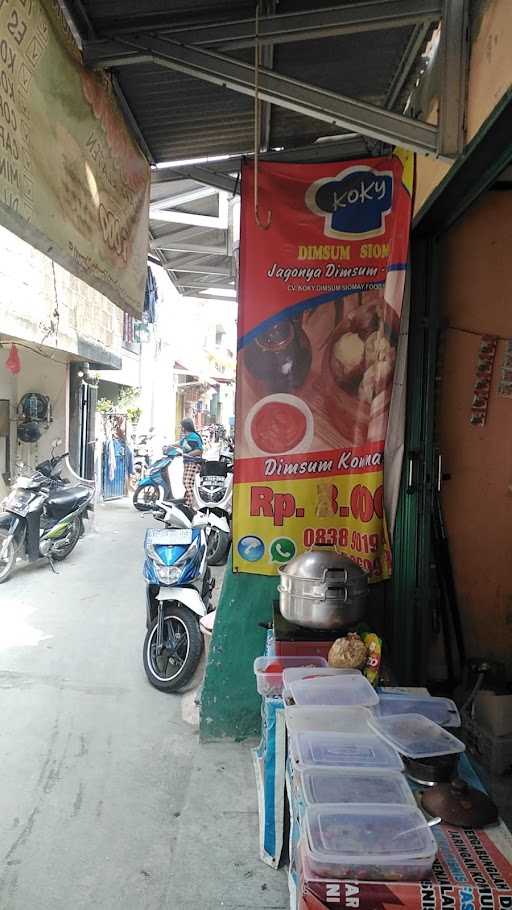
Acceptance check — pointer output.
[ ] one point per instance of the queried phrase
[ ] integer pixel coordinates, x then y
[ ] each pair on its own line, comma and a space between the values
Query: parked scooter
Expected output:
213, 497
155, 486
43, 515
178, 593
141, 458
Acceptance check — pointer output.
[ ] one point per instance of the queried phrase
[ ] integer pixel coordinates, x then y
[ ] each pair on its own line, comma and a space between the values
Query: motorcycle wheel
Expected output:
62, 548
217, 548
146, 497
171, 672
7, 563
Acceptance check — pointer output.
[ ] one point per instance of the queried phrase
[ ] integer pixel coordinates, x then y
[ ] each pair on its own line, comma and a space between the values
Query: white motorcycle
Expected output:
213, 496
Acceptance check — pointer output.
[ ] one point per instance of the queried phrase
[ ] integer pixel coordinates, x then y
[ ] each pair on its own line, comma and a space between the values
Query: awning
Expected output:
333, 81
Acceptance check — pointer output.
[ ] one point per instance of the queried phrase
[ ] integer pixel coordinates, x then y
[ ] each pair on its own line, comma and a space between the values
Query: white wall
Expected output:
38, 374
29, 298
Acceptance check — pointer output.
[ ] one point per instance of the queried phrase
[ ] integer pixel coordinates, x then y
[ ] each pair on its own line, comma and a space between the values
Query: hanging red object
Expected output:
13, 361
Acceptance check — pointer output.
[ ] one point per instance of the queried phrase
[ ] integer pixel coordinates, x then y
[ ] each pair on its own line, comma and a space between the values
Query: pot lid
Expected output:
459, 804
314, 564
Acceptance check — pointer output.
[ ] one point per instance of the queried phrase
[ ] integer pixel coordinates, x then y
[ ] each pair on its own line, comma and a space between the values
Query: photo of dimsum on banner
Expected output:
318, 329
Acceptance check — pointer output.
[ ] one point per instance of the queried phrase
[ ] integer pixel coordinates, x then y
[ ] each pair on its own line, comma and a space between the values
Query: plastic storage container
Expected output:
442, 711
310, 750
297, 673
416, 736
269, 671
355, 786
368, 843
303, 719
342, 690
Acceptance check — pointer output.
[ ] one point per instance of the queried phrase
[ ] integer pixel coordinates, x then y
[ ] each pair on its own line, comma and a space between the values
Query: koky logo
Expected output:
354, 204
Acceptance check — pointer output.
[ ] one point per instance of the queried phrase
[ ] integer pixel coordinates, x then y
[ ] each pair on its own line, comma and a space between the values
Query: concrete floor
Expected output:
107, 799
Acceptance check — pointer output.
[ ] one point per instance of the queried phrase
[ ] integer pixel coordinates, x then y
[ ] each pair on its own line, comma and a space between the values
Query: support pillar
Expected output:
230, 704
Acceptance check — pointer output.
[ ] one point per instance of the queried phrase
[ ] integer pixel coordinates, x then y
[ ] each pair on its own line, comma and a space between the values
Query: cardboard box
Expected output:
494, 712
472, 872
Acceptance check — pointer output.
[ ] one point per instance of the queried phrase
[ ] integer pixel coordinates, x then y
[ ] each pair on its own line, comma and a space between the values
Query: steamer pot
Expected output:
322, 589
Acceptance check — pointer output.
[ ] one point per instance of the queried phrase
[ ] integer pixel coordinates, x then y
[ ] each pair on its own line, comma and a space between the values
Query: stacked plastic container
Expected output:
358, 817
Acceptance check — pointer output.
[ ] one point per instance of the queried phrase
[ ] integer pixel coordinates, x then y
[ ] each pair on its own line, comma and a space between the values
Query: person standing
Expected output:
191, 444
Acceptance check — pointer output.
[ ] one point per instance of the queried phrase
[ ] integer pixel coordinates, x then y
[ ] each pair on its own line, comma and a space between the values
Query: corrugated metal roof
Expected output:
182, 117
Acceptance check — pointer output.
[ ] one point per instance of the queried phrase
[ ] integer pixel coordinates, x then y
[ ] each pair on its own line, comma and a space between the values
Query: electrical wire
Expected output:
21, 344
458, 328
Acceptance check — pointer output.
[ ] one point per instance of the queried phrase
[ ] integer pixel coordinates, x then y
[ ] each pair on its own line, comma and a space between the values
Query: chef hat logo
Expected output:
354, 204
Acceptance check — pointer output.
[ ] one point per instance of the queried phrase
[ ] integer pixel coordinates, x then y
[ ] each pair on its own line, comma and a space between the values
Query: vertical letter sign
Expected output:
320, 300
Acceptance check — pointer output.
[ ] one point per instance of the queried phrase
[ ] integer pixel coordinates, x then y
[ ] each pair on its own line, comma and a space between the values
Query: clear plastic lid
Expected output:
269, 671
344, 690
310, 750
279, 664
355, 786
304, 718
296, 673
416, 736
442, 711
364, 834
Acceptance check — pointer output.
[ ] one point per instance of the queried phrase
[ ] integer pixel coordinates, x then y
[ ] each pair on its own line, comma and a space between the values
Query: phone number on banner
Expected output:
352, 542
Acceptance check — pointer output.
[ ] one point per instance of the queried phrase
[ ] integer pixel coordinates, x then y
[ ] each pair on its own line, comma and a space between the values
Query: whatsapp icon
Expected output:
282, 549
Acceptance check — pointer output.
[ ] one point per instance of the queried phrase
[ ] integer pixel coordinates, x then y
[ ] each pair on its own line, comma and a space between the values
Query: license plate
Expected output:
171, 537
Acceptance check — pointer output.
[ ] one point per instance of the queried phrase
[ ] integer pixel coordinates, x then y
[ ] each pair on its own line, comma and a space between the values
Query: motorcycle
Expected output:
155, 486
43, 515
178, 592
213, 497
141, 459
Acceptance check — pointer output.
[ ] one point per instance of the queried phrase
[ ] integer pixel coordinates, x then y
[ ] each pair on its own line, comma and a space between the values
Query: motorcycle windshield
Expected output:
170, 555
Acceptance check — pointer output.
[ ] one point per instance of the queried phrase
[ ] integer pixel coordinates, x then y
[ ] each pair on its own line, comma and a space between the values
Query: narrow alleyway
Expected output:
107, 799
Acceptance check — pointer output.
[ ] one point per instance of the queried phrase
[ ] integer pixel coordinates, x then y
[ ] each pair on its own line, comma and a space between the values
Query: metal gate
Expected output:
113, 474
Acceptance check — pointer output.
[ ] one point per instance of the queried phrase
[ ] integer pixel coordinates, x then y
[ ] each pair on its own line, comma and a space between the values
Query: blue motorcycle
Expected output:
156, 484
178, 592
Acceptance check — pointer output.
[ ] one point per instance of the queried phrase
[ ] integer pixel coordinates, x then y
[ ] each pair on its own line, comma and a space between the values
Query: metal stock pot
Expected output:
321, 589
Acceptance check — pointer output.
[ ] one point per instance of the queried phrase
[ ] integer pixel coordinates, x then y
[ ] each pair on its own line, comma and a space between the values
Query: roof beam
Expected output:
215, 222
211, 178
170, 202
350, 145
170, 244
454, 57
214, 270
283, 91
373, 15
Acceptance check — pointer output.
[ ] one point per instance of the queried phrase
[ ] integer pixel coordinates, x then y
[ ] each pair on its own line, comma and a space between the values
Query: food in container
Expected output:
416, 736
442, 711
342, 690
348, 652
280, 357
269, 671
293, 673
368, 843
309, 750
353, 786
303, 719
279, 424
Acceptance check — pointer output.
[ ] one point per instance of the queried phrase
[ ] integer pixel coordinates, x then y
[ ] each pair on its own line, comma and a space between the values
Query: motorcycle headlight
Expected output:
168, 575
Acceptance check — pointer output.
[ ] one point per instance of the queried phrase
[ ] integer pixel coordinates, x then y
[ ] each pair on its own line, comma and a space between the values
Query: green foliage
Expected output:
134, 414
104, 406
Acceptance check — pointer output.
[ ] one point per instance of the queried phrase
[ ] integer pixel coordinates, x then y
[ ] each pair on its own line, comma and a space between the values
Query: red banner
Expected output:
320, 301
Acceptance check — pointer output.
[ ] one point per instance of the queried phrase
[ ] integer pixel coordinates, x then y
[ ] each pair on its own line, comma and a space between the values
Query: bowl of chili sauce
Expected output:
279, 425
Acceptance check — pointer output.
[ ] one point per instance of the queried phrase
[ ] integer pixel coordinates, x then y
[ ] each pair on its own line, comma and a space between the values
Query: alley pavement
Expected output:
107, 798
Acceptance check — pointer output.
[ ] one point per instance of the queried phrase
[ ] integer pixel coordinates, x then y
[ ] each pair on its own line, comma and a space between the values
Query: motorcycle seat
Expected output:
182, 505
63, 501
